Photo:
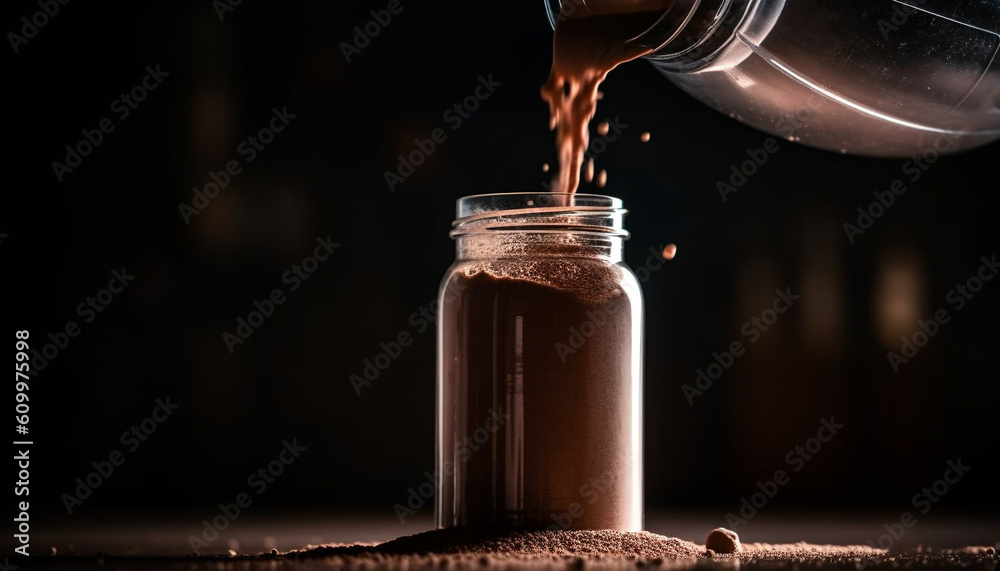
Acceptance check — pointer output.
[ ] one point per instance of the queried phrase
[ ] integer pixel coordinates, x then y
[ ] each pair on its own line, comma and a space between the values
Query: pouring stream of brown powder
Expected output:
584, 50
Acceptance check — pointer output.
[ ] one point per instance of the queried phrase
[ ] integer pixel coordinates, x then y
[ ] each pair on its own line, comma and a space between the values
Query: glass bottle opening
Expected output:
540, 212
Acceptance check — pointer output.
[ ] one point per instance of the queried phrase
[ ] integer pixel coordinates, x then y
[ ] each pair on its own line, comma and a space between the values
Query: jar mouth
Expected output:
673, 16
539, 212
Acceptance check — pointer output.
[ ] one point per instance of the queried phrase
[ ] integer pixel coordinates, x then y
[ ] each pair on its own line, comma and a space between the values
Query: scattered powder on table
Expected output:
726, 541
458, 549
802, 548
973, 549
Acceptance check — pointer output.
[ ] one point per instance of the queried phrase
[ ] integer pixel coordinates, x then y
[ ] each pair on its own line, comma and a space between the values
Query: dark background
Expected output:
323, 176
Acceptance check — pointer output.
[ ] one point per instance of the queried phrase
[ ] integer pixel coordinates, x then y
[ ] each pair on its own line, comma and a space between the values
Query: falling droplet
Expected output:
669, 251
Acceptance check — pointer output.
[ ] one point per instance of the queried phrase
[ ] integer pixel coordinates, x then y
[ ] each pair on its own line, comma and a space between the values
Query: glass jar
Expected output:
888, 78
539, 412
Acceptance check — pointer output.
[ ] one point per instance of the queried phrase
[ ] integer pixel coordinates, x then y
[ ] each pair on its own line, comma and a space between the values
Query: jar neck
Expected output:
527, 225
496, 245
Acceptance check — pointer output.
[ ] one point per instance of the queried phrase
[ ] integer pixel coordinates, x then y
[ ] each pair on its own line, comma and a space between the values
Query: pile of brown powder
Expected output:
465, 549
518, 544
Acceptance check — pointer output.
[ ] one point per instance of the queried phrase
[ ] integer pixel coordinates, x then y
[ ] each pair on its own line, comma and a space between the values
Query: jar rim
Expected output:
480, 205
539, 212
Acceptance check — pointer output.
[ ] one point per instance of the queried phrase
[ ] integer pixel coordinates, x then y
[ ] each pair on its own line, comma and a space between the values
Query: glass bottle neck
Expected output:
686, 33
698, 28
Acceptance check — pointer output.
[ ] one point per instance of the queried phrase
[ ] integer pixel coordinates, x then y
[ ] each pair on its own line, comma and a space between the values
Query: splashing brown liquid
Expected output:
584, 50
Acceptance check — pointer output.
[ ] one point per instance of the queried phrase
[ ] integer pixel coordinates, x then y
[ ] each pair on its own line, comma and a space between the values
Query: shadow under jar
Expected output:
539, 413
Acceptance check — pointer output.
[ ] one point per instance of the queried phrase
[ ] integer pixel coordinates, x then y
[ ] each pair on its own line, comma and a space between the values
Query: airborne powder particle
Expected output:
669, 251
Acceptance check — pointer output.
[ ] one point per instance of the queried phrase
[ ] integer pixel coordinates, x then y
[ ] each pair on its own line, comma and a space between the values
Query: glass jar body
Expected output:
540, 388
